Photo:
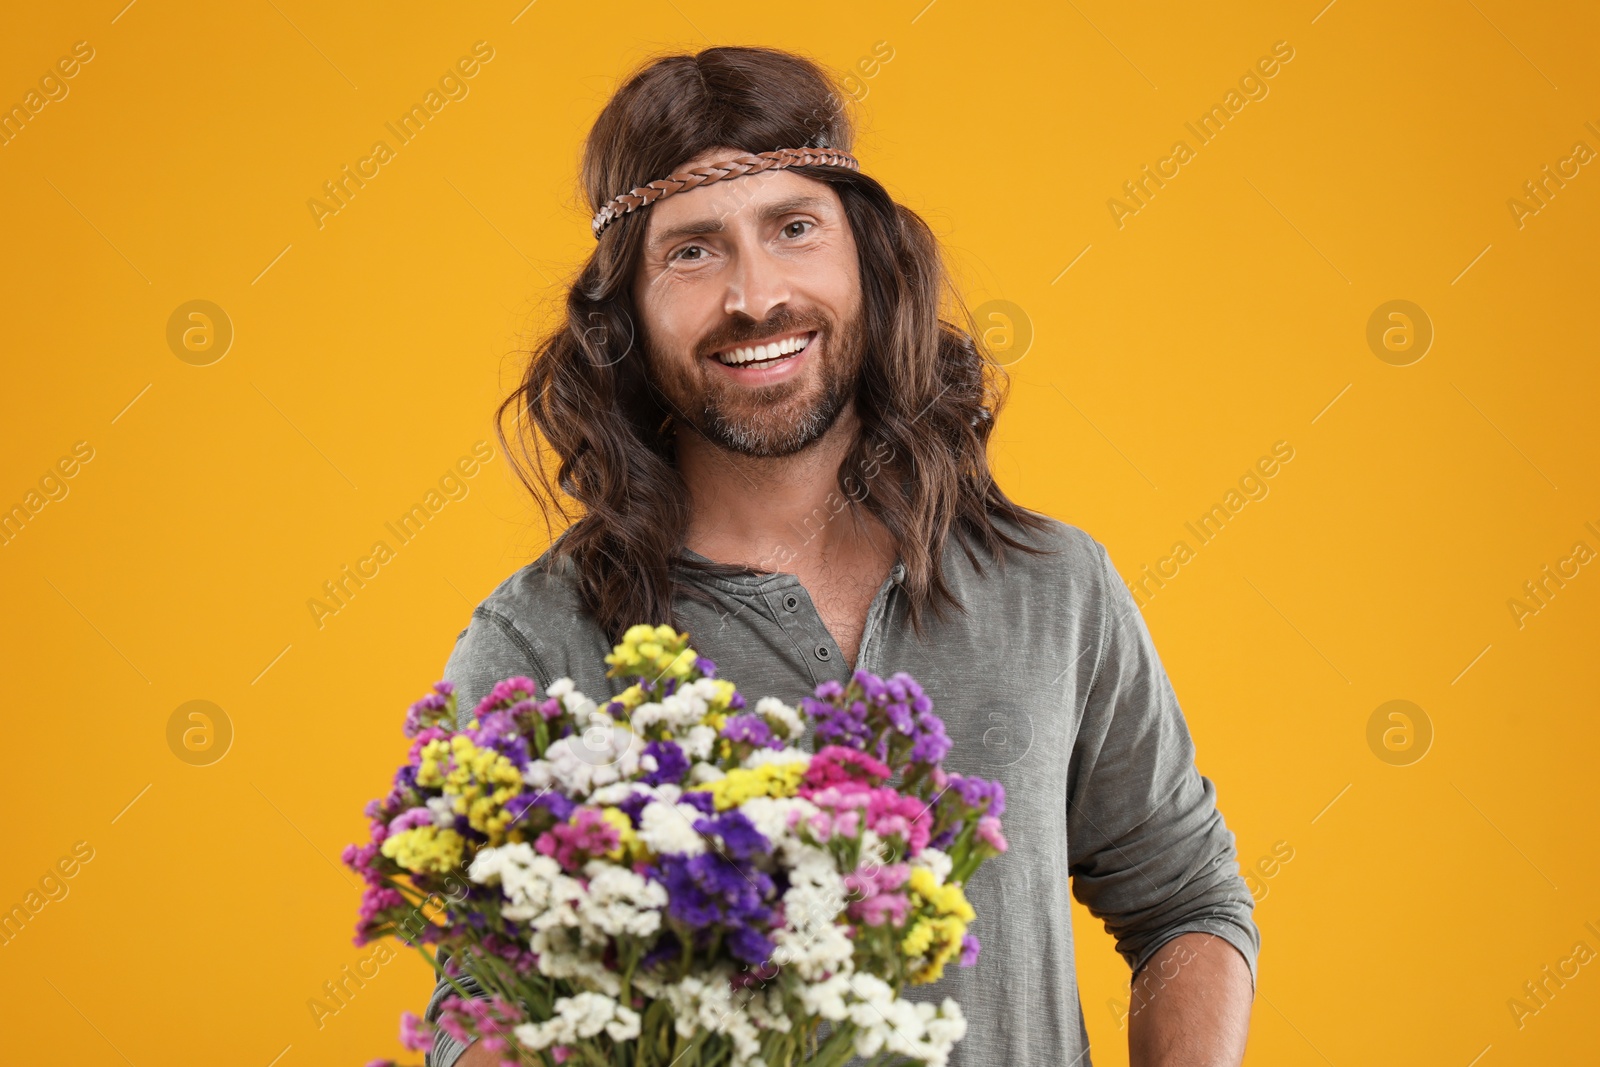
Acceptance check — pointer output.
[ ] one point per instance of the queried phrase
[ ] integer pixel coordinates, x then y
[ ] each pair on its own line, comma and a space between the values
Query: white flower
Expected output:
782, 717
700, 773
539, 773
533, 884
814, 952
616, 792
771, 815
872, 849
670, 828
571, 699
443, 811
710, 1004
578, 1017
697, 743
776, 755
619, 903
678, 710
826, 998
811, 940
602, 754
938, 862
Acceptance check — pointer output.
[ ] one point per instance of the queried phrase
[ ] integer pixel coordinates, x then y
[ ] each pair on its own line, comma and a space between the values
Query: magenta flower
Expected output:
416, 1033
836, 765
573, 843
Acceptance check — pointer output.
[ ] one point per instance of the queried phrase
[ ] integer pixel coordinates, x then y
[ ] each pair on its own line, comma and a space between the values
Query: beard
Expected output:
766, 421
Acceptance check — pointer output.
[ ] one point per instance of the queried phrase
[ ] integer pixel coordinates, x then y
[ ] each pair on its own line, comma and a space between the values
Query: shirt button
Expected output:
790, 602
822, 652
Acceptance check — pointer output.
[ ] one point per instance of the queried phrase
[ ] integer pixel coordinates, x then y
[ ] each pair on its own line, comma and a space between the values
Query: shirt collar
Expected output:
752, 580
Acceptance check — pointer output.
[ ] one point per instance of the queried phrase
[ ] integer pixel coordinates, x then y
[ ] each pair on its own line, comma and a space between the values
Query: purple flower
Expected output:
498, 730
739, 835
700, 799
429, 711
887, 709
969, 950
975, 791
750, 945
750, 730
709, 891
633, 807
671, 763
931, 743
846, 726
560, 805
667, 947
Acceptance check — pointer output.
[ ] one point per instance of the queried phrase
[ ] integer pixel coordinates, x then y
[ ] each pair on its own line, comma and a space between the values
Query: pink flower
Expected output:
885, 907
844, 795
410, 819
890, 814
874, 889
873, 879
586, 835
416, 1033
989, 832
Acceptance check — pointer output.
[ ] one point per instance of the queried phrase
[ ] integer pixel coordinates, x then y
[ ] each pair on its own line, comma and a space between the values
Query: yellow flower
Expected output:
654, 652
480, 780
767, 780
627, 838
723, 694
425, 848
935, 939
948, 899
944, 939
918, 939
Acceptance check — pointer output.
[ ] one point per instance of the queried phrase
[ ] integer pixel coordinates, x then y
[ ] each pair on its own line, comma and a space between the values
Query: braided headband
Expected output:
645, 195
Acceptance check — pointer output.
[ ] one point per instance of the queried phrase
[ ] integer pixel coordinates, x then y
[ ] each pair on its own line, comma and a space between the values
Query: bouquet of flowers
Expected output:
665, 879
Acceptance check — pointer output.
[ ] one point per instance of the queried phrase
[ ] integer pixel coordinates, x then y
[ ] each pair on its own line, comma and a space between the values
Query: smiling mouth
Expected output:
766, 355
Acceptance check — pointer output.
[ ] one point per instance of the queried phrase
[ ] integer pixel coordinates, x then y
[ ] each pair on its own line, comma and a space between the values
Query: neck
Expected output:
776, 514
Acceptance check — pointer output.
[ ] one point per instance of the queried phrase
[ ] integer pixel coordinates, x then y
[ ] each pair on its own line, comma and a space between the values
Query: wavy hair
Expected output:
927, 396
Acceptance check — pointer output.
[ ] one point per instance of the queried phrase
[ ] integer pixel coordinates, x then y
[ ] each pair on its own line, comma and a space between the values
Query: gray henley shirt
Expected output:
1049, 683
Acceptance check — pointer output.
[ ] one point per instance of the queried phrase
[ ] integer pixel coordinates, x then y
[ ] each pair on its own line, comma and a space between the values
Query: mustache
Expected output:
735, 334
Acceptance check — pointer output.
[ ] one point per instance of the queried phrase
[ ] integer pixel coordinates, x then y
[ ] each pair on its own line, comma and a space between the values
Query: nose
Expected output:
756, 284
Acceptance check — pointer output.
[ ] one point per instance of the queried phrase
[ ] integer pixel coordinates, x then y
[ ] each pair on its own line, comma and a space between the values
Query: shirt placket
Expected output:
803, 623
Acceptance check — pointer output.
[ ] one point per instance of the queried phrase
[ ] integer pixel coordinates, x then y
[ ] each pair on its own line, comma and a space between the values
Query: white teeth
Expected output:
787, 346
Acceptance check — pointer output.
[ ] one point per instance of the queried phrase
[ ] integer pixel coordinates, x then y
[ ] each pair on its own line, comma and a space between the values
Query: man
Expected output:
779, 447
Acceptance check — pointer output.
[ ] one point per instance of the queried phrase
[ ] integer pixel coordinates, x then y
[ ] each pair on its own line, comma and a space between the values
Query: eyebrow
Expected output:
771, 211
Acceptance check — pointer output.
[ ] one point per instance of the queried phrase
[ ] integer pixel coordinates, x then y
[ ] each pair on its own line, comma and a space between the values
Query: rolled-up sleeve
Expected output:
487, 651
1148, 850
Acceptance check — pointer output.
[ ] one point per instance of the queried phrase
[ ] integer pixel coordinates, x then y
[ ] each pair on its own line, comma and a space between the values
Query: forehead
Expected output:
731, 201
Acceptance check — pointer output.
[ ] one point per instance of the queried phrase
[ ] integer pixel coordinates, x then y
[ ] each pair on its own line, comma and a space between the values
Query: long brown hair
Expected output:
928, 393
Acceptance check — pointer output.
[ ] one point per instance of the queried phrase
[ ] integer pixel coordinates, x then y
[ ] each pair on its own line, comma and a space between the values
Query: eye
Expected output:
683, 253
798, 222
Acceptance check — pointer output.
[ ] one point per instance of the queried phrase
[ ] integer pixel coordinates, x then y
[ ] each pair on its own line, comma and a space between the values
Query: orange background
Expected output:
1229, 313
